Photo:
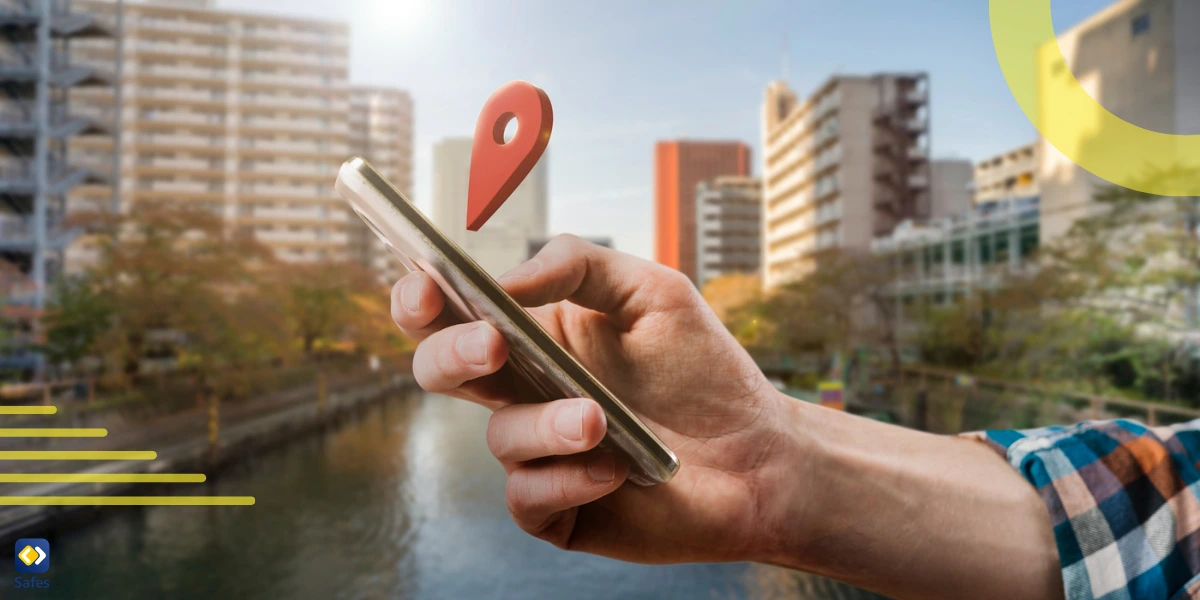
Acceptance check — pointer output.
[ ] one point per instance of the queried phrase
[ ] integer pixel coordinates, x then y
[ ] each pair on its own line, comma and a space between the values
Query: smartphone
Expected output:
473, 296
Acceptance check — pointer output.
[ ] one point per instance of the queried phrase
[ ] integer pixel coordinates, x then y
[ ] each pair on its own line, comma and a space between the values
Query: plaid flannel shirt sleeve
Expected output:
1124, 501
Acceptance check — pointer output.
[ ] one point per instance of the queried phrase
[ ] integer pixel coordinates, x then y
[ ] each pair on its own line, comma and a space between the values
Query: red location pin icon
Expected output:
497, 167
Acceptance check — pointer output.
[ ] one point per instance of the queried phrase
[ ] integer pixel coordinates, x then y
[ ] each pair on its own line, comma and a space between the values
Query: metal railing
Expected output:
1095, 406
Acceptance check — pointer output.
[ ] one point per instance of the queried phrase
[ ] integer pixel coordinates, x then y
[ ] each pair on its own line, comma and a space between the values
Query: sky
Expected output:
622, 74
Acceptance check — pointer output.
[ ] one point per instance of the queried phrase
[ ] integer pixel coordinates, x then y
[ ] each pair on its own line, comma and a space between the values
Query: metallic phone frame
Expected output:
473, 295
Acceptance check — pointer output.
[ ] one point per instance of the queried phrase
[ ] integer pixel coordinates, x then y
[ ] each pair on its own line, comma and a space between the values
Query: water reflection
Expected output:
402, 501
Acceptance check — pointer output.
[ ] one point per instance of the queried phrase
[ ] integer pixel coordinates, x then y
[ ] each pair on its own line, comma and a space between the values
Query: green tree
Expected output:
845, 302
78, 315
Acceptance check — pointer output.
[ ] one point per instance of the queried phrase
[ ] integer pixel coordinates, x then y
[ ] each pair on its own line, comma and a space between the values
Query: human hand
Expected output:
643, 330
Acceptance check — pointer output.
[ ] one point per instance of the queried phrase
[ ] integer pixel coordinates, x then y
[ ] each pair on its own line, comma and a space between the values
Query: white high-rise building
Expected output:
246, 115
502, 243
728, 227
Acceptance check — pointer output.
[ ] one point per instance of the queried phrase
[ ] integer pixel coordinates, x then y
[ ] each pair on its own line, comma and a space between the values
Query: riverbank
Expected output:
247, 429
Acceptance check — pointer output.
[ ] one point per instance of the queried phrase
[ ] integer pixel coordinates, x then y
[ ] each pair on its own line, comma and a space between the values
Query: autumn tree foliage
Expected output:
177, 283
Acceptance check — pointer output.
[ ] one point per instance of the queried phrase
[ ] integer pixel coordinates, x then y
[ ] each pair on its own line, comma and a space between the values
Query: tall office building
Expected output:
678, 167
502, 243
245, 115
728, 227
846, 164
1140, 59
381, 130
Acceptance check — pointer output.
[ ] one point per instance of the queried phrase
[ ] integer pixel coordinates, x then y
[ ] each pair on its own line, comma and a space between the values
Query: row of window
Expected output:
180, 22
994, 248
190, 68
183, 135
163, 183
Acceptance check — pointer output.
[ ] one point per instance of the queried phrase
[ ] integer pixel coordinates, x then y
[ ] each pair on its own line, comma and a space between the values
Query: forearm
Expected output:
910, 514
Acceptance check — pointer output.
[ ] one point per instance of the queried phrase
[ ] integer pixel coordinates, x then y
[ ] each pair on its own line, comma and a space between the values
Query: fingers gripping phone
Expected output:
473, 295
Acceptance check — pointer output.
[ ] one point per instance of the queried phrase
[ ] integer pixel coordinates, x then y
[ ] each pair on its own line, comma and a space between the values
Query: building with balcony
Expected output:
728, 227
844, 165
248, 116
503, 242
678, 167
1008, 174
1138, 59
38, 124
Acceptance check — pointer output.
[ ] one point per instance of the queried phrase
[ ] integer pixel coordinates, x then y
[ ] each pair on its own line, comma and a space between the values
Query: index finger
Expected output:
418, 306
622, 286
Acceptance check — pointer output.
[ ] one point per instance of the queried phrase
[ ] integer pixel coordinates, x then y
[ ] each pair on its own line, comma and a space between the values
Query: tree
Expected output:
318, 299
170, 272
78, 315
845, 302
727, 293
1148, 282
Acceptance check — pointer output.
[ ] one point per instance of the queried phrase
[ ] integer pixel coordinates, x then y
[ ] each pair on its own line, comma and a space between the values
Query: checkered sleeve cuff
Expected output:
1123, 502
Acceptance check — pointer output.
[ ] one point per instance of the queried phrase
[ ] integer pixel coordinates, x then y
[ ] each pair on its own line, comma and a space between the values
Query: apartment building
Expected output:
243, 114
503, 242
1140, 59
381, 130
844, 165
678, 167
1008, 174
728, 227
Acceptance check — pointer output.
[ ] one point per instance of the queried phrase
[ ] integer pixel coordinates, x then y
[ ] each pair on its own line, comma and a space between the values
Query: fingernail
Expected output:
569, 422
410, 296
529, 267
473, 346
603, 468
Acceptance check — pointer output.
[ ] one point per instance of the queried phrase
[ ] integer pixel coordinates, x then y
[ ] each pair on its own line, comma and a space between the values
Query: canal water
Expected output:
400, 501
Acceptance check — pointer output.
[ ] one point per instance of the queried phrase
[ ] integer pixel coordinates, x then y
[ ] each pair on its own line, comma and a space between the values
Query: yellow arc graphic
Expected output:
1074, 122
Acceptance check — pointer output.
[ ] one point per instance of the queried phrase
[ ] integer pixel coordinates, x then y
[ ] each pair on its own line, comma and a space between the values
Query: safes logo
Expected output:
33, 555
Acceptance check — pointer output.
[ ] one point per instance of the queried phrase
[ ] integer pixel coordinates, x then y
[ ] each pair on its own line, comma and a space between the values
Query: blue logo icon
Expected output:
33, 555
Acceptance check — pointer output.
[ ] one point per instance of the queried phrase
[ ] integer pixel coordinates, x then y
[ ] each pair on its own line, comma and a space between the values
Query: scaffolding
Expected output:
37, 123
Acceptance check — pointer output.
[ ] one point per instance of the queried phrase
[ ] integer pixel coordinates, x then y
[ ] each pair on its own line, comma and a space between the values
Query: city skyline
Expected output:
612, 102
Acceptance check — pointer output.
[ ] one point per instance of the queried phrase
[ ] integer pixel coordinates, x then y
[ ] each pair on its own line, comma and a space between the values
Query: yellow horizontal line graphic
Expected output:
33, 432
28, 410
102, 478
78, 455
126, 500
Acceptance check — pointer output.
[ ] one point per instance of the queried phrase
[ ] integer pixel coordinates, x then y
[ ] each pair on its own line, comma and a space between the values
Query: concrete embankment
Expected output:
191, 453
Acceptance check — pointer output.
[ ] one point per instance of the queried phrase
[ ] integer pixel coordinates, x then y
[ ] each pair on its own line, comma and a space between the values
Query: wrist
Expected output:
792, 495
901, 512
